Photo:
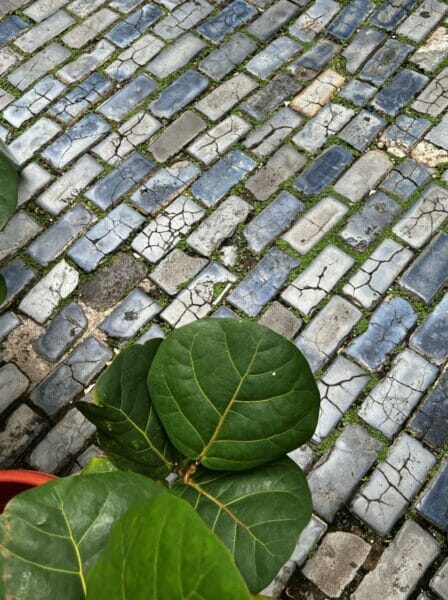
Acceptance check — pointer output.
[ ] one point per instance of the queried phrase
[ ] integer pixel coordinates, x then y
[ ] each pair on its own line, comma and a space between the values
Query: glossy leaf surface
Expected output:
129, 430
258, 514
162, 550
51, 535
233, 394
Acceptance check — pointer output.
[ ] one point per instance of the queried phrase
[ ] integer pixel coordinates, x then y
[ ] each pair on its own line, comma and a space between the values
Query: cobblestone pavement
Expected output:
284, 161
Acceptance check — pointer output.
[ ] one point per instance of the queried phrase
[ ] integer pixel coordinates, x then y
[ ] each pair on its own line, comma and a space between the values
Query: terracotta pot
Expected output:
12, 482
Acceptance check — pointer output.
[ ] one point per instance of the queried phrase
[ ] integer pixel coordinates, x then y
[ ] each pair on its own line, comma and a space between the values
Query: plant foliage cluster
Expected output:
197, 498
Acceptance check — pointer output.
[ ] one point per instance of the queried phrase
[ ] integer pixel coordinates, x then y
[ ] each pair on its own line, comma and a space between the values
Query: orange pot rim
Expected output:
31, 478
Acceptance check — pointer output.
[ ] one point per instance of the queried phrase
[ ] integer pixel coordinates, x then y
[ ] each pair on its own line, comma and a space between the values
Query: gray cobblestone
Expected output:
218, 226
224, 59
62, 333
322, 336
393, 484
317, 280
392, 400
21, 428
401, 565
37, 66
339, 387
13, 383
177, 135
337, 474
18, 231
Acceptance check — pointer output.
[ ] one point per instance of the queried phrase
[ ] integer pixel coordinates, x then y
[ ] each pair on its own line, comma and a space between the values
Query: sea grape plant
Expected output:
206, 418
218, 403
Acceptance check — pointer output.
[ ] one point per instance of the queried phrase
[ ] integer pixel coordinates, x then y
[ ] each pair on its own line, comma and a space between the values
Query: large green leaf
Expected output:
99, 464
258, 514
232, 394
51, 536
3, 290
162, 550
9, 182
128, 428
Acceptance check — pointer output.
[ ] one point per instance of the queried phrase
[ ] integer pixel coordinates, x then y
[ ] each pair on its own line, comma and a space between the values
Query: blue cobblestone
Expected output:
311, 62
134, 312
406, 131
433, 504
431, 338
366, 225
223, 60
430, 422
62, 333
429, 273
402, 89
109, 190
349, 18
128, 98
385, 61
361, 130
221, 178
10, 28
80, 98
131, 28
180, 93
8, 322
263, 283
272, 57
387, 328
391, 12
358, 92
324, 170
406, 178
17, 276
56, 238
232, 16
75, 141
272, 221
105, 237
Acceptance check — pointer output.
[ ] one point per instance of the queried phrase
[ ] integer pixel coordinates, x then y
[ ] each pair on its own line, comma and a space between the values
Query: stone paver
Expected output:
336, 562
400, 567
279, 160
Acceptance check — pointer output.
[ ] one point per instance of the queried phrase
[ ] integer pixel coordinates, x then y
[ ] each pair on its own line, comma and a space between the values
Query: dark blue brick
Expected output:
349, 18
406, 178
390, 13
263, 283
385, 61
361, 130
388, 327
403, 88
431, 421
272, 221
80, 98
231, 17
17, 276
128, 98
324, 170
225, 174
131, 28
62, 333
358, 92
313, 60
434, 505
429, 273
431, 337
10, 28
180, 93
108, 191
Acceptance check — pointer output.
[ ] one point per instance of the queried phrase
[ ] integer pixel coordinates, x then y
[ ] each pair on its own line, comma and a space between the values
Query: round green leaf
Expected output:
258, 514
51, 535
129, 430
3, 290
162, 550
233, 394
99, 464
9, 182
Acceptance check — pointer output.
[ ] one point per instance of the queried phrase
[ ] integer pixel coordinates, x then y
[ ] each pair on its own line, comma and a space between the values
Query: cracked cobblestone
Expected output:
282, 160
